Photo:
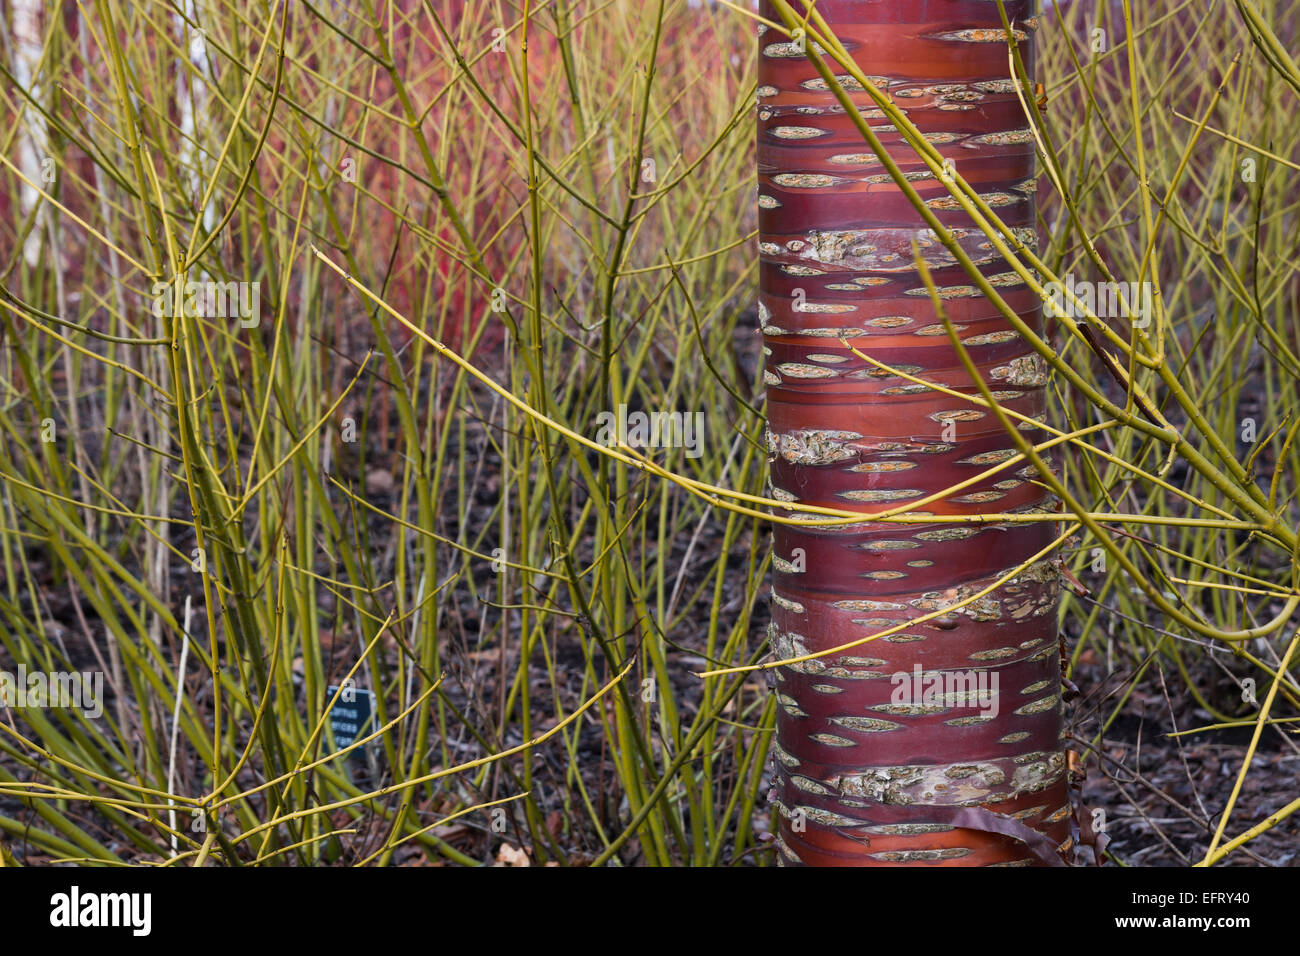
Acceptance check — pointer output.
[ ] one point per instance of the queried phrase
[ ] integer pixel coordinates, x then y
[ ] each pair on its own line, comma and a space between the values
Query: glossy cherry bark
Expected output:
870, 769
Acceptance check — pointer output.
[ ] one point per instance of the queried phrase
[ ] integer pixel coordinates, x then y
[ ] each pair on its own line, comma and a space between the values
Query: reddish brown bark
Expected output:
864, 775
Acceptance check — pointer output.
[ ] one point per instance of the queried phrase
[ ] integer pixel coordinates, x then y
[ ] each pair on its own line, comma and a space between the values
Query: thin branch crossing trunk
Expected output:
937, 742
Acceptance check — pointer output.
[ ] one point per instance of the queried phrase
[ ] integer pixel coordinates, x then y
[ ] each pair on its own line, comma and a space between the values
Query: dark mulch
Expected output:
1162, 796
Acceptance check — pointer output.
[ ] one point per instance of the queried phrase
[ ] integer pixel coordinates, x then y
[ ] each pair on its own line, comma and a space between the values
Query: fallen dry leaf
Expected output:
512, 856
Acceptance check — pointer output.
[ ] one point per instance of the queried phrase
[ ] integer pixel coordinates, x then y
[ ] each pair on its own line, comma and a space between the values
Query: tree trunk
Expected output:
938, 743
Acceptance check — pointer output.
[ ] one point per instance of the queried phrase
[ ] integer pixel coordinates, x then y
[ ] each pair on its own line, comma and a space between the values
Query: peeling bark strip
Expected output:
863, 776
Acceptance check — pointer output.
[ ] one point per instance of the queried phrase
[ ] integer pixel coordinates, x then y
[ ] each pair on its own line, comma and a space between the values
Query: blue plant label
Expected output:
350, 715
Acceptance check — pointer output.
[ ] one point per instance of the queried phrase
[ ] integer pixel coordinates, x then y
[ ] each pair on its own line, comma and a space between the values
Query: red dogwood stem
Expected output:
938, 743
